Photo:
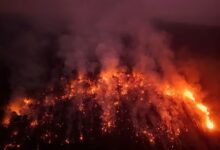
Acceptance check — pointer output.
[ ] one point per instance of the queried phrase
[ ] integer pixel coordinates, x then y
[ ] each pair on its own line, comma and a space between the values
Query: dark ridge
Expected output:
200, 40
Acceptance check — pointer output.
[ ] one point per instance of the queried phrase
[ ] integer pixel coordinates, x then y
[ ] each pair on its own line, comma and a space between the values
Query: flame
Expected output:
34, 123
109, 91
204, 109
188, 94
210, 125
18, 106
27, 101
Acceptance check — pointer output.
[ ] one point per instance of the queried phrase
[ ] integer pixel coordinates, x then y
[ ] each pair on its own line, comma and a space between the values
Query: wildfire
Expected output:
188, 94
209, 123
202, 108
19, 106
111, 91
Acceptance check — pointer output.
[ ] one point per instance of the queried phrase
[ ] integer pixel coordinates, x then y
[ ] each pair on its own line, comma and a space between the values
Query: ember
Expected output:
111, 92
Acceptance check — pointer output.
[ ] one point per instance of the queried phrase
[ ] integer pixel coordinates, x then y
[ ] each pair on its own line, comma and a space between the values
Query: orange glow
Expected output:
209, 123
18, 106
27, 101
34, 123
6, 120
109, 91
15, 107
203, 108
169, 91
188, 94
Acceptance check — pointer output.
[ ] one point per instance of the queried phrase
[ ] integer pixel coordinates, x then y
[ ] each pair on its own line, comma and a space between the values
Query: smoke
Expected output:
92, 32
83, 34
98, 36
87, 37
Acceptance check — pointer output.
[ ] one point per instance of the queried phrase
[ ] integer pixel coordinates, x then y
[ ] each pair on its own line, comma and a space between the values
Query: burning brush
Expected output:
84, 107
115, 80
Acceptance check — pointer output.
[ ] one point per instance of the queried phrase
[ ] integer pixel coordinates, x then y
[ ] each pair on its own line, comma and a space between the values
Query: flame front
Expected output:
188, 94
201, 107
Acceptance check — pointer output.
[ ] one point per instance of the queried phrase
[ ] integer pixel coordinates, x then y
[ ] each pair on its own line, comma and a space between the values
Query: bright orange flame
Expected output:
188, 94
203, 108
210, 125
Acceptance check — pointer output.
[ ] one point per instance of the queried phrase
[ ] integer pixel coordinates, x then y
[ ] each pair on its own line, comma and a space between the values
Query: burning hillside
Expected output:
81, 108
104, 74
128, 83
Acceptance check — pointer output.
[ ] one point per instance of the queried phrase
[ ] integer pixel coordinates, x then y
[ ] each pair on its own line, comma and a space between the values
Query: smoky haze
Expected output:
84, 34
196, 11
84, 30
